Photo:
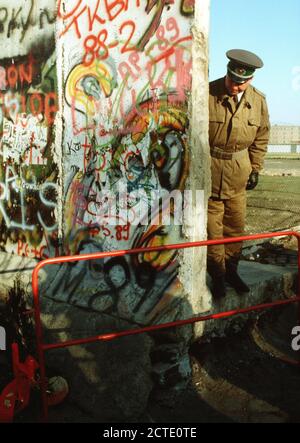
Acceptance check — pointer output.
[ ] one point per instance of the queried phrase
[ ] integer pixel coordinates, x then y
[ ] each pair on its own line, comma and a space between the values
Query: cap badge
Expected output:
241, 71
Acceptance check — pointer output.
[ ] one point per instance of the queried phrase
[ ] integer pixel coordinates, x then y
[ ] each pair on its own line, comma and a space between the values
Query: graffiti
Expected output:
152, 156
17, 193
96, 46
95, 91
47, 246
87, 86
126, 78
160, 5
18, 96
121, 143
15, 75
110, 10
12, 19
127, 100
162, 126
45, 105
107, 285
28, 107
24, 141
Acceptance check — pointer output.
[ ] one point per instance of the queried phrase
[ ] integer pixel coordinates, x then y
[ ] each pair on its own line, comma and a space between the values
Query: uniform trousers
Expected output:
226, 218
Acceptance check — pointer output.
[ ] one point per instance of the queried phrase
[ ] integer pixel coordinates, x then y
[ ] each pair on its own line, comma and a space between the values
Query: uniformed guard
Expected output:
239, 131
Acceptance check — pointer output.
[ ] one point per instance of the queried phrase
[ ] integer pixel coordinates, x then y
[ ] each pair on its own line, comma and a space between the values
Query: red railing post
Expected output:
39, 339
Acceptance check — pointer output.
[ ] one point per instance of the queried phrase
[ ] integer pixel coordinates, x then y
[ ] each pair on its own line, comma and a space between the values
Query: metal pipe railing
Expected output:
41, 347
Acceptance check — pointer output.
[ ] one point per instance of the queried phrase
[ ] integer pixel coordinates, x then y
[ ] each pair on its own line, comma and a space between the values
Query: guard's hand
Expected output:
252, 181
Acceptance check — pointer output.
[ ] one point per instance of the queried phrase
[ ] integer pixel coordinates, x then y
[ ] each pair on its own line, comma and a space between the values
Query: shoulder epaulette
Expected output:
259, 92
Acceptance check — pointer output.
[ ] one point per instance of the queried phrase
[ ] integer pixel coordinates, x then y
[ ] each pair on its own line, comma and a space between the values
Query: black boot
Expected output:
218, 288
235, 281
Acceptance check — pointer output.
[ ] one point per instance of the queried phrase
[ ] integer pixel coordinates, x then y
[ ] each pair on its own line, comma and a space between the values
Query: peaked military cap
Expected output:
242, 65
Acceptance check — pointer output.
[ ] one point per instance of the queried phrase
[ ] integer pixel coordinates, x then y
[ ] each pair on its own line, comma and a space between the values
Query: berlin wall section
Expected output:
104, 147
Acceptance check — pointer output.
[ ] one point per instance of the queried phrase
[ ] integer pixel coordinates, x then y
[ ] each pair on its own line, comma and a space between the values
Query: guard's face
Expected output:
235, 88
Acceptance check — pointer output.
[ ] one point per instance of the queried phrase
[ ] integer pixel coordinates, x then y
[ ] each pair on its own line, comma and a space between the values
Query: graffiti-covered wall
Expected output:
28, 105
96, 152
103, 147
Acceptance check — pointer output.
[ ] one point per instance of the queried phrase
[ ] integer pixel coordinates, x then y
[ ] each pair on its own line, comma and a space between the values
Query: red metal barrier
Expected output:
16, 395
41, 347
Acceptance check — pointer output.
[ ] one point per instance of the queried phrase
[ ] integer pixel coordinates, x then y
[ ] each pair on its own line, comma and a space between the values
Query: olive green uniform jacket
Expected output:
238, 138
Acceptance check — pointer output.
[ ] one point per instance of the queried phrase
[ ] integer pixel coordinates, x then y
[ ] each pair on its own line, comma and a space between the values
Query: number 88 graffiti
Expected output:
95, 47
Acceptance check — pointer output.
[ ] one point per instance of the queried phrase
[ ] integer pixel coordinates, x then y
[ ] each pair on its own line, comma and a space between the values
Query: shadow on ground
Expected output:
234, 380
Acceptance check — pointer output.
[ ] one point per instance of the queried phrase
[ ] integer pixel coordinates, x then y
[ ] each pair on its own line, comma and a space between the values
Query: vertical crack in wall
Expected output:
59, 133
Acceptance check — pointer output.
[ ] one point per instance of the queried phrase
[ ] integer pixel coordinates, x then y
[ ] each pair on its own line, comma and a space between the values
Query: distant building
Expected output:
285, 135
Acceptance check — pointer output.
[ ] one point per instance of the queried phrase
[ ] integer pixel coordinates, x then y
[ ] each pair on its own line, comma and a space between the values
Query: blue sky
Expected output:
271, 29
